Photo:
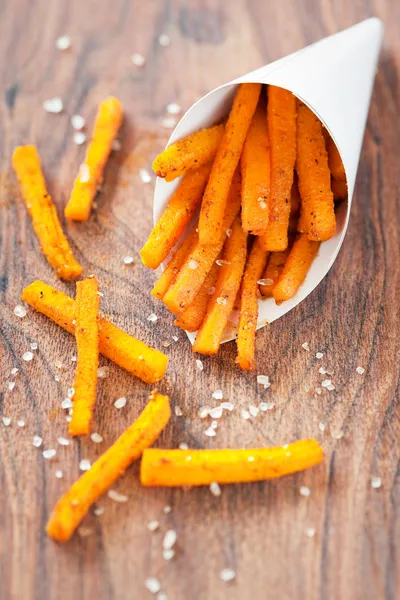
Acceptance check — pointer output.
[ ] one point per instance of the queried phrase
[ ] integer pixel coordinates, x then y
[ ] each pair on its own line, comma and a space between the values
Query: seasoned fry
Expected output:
199, 261
295, 270
317, 206
176, 217
193, 150
274, 267
193, 316
220, 305
211, 221
173, 468
249, 305
117, 345
74, 505
87, 340
281, 117
108, 121
54, 244
339, 189
336, 166
172, 269
256, 176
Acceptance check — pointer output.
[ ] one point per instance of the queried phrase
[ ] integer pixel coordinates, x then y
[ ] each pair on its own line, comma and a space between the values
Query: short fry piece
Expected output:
193, 150
172, 468
176, 217
108, 121
126, 351
336, 166
255, 167
172, 269
211, 221
339, 189
73, 506
249, 305
54, 244
219, 307
317, 207
87, 340
296, 267
274, 268
193, 316
189, 280
281, 117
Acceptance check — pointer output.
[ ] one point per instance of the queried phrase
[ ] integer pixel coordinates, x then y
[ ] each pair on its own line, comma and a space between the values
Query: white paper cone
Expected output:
334, 77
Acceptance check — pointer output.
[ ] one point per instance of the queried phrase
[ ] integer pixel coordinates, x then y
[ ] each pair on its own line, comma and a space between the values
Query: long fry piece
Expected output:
173, 468
193, 316
295, 270
87, 340
281, 116
108, 121
256, 176
176, 217
276, 262
249, 305
172, 269
54, 244
73, 506
193, 150
219, 307
211, 221
317, 206
336, 166
198, 263
126, 351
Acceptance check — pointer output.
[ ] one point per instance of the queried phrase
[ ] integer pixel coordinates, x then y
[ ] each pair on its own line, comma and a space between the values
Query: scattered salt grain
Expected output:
264, 406
175, 338
73, 359
128, 260
310, 532
210, 432
263, 380
162, 596
169, 539
59, 474
79, 138
63, 42
27, 356
221, 301
67, 403
14, 371
215, 489
70, 392
21, 423
53, 105
173, 108
318, 391
164, 40
168, 554
183, 446
20, 311
325, 383
84, 531
116, 496
305, 491
227, 575
250, 458
214, 424
84, 173
152, 318
120, 403
11, 385
322, 427
63, 441
6, 421
337, 435
138, 59
218, 395
330, 387
58, 364
168, 122
78, 122
84, 464
37, 441
98, 511
153, 585
253, 410
266, 281
68, 419
376, 482
319, 355
193, 264
167, 509
49, 454
216, 413
220, 262
144, 175
153, 525
244, 414
199, 364
322, 371
360, 370
34, 346
178, 411
96, 438
204, 411
56, 378
102, 372
305, 346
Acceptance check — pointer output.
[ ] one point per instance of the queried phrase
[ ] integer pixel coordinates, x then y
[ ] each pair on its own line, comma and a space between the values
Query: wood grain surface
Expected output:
352, 317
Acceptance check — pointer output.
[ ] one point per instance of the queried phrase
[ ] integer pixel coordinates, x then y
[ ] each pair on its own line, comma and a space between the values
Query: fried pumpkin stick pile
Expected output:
264, 185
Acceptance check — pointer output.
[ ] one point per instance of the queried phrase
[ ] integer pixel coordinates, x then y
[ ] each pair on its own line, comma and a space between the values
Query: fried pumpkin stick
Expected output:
108, 121
249, 305
219, 307
73, 506
255, 168
281, 117
193, 316
296, 267
193, 150
317, 217
54, 244
126, 351
201, 258
87, 303
211, 221
274, 268
176, 217
173, 468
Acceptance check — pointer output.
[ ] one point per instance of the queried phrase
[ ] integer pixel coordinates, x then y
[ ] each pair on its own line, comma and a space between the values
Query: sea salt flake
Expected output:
14, 371
215, 489
116, 496
168, 554
120, 403
144, 175
34, 346
63, 42
322, 427
227, 575
337, 435
20, 311
96, 438
220, 262
305, 491
266, 281
264, 406
53, 105
153, 525
305, 346
165, 343
49, 454
58, 364
153, 585
263, 380
318, 391
59, 474
330, 387
210, 432
84, 464
152, 318
322, 371
84, 173
68, 419
193, 264
376, 482
221, 301
164, 40
162, 596
218, 395
319, 355
102, 372
173, 108
67, 403
79, 138
128, 260
178, 411
216, 413
360, 370
226, 406
63, 441
169, 539
167, 509
250, 458
6, 421
168, 122
11, 385
199, 364
325, 383
21, 423
98, 511
73, 359
204, 411
78, 122
70, 392
27, 356
214, 424
183, 446
138, 59
261, 202
310, 532
84, 531
253, 410
244, 414
175, 338
37, 441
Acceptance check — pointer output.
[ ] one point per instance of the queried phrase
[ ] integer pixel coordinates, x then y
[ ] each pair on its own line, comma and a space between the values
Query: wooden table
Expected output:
352, 317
